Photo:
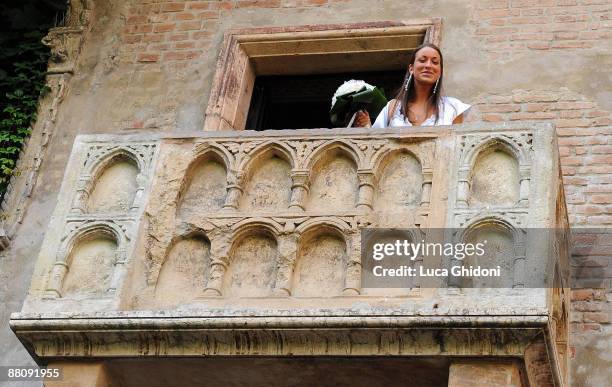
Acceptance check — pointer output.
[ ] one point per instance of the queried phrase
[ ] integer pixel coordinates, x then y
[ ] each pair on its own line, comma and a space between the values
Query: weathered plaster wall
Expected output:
150, 65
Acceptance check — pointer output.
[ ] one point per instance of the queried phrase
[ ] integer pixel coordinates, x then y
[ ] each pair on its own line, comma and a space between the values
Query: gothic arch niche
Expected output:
205, 183
184, 271
252, 263
400, 182
499, 251
397, 286
115, 185
495, 178
334, 183
90, 264
268, 181
321, 263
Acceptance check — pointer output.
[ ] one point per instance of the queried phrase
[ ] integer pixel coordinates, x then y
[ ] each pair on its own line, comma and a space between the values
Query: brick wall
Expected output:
509, 29
511, 26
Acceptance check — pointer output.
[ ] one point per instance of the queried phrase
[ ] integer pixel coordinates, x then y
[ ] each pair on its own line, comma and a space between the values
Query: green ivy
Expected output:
23, 83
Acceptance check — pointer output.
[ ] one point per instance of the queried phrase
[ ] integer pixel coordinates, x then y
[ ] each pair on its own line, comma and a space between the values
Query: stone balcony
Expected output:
248, 243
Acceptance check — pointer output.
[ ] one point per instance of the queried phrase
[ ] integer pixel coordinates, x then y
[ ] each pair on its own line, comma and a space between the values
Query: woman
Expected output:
420, 101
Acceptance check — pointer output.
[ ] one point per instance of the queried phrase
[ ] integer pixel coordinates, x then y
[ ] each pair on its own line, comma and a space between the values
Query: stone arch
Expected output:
252, 261
495, 174
185, 269
267, 178
321, 262
350, 150
204, 186
114, 182
85, 263
503, 247
400, 180
334, 184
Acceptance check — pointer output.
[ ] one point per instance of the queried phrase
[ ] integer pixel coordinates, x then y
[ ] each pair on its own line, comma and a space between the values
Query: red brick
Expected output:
199, 5
538, 46
208, 15
601, 199
492, 118
596, 113
536, 97
573, 123
132, 38
189, 26
499, 108
183, 45
596, 317
532, 116
136, 19
572, 44
166, 27
572, 160
224, 4
173, 7
180, 55
565, 35
607, 149
600, 159
178, 37
538, 107
148, 57
258, 4
570, 114
574, 105
184, 16
142, 28
153, 38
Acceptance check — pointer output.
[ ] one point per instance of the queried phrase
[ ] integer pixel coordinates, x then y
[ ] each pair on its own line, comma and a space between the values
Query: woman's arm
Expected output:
458, 119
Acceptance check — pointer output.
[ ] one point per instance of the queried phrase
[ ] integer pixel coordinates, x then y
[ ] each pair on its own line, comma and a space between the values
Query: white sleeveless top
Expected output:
449, 109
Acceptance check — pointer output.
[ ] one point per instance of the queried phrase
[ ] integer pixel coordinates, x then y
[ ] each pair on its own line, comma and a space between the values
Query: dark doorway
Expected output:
303, 101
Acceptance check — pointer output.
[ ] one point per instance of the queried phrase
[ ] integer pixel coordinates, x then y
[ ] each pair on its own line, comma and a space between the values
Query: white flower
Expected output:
348, 87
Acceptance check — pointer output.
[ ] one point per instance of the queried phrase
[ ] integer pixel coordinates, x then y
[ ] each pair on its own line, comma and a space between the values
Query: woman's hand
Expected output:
362, 120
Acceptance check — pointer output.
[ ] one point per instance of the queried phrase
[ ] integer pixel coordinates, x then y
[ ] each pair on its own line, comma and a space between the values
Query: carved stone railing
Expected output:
191, 232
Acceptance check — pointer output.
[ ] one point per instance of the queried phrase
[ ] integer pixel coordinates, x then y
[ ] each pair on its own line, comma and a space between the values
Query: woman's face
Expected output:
426, 67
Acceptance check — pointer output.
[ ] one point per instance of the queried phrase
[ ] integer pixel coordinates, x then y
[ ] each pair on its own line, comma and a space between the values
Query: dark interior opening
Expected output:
303, 101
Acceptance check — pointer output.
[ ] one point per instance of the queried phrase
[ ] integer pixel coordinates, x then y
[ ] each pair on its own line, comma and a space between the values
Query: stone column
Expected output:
468, 373
426, 188
140, 182
366, 189
56, 278
525, 175
118, 271
287, 252
352, 282
299, 189
220, 245
463, 187
79, 205
234, 190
